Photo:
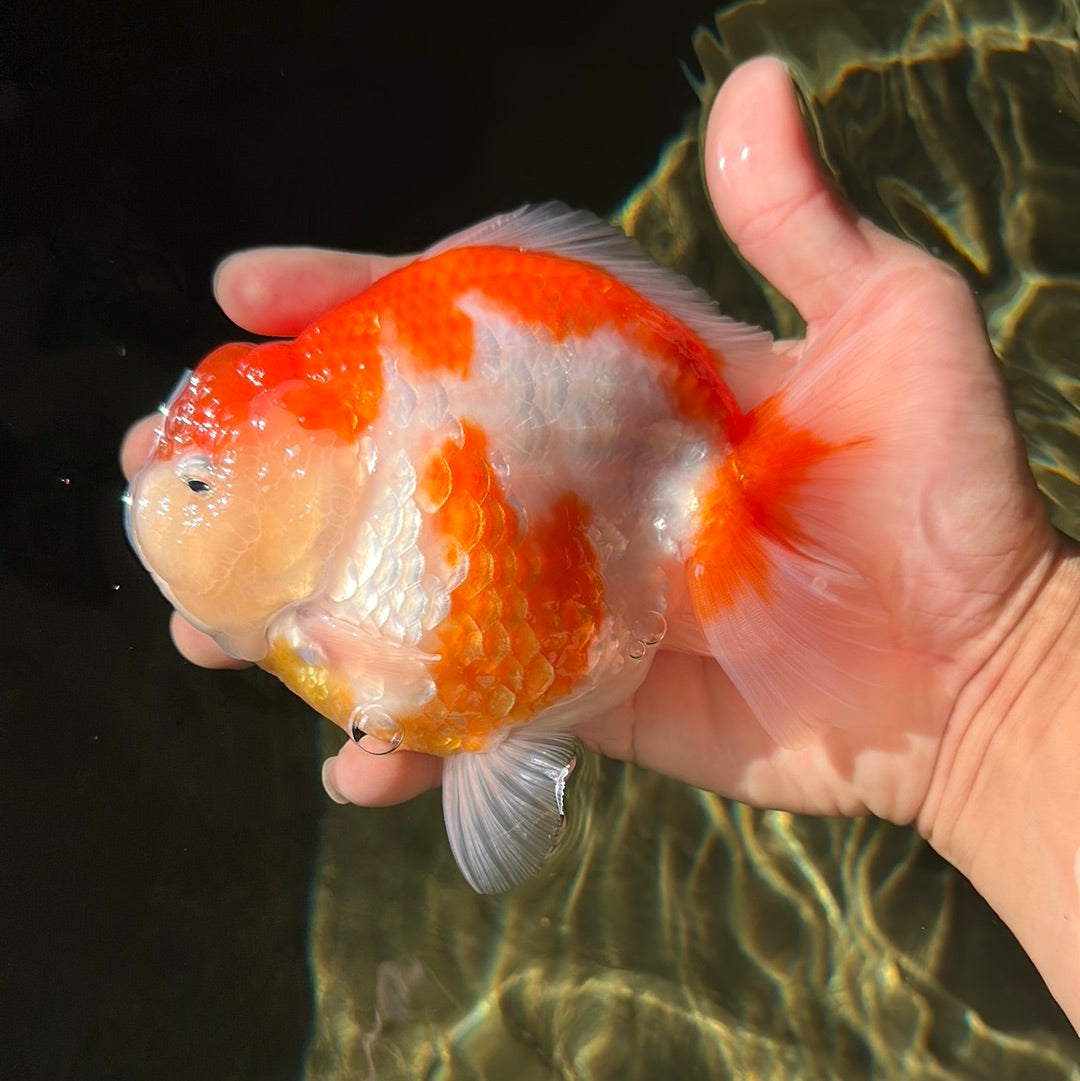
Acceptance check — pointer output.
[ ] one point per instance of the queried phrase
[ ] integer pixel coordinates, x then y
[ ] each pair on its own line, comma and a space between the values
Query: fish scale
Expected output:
542, 593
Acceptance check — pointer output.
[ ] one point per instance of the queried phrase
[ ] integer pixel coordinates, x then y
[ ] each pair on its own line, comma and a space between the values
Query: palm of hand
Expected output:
951, 533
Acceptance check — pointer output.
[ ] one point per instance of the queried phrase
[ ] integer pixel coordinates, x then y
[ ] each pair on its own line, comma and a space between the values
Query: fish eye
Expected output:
197, 474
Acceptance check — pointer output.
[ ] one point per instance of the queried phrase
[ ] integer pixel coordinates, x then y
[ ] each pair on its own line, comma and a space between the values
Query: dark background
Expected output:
158, 821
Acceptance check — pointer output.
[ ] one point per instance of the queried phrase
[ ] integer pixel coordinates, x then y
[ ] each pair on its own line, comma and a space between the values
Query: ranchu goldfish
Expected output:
461, 512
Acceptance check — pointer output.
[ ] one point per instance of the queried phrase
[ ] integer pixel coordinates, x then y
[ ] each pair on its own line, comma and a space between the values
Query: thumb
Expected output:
774, 198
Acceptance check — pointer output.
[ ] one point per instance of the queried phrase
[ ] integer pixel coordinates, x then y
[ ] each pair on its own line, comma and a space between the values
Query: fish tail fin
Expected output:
777, 576
504, 808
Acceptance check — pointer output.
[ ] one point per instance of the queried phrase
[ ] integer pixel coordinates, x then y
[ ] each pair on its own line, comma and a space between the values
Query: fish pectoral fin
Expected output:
504, 807
347, 645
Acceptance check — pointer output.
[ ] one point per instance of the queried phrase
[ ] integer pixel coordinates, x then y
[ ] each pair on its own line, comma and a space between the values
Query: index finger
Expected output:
279, 291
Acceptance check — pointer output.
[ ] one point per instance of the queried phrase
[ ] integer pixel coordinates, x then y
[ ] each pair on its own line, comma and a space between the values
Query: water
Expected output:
685, 933
179, 898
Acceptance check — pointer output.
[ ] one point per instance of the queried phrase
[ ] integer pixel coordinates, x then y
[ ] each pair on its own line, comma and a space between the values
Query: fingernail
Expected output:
328, 784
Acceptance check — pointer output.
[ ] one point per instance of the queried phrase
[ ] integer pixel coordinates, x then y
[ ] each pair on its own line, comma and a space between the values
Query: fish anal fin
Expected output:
504, 807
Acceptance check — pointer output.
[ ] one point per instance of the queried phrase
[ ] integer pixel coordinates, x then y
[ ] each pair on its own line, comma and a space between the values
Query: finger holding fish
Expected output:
198, 647
277, 291
137, 444
372, 776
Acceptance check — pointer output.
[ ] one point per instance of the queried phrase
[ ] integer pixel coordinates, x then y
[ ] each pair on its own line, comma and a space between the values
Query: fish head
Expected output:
243, 503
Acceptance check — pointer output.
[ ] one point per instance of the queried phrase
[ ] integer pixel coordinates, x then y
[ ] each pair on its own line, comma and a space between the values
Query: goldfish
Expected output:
462, 511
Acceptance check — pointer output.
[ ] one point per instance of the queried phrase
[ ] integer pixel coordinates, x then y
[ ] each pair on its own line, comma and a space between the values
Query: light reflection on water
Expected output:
683, 932
678, 932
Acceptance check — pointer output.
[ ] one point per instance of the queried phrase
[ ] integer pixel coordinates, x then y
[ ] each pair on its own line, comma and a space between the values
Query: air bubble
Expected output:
377, 723
648, 631
652, 628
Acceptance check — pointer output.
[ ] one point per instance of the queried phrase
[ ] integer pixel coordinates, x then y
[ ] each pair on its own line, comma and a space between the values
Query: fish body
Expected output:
461, 511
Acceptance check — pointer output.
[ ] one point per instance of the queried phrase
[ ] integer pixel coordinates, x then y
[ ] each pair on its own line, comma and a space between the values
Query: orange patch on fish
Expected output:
521, 622
752, 499
331, 376
566, 297
220, 397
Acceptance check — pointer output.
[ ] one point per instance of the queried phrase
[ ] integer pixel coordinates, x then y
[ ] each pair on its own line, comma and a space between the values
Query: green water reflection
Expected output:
680, 932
